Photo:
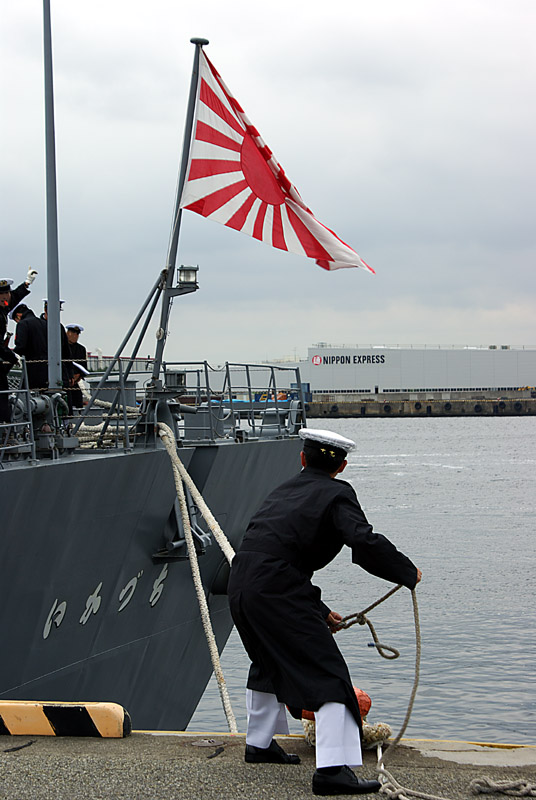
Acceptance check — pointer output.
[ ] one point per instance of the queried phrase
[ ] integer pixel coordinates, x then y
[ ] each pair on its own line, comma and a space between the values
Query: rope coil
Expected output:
519, 788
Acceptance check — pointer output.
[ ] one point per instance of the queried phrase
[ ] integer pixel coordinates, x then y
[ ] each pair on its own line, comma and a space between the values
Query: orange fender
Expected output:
362, 698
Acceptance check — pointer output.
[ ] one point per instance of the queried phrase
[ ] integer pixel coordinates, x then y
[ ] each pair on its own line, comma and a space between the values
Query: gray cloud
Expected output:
408, 129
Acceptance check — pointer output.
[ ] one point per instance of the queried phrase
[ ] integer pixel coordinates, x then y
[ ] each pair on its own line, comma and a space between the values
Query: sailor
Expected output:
79, 357
9, 298
31, 341
20, 312
286, 628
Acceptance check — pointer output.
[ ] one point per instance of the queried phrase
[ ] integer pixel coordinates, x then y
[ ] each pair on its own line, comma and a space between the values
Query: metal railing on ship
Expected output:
123, 403
236, 400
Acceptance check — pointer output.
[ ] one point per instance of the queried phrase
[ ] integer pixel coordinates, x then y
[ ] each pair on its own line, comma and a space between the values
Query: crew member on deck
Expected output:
31, 341
21, 312
9, 298
79, 356
286, 628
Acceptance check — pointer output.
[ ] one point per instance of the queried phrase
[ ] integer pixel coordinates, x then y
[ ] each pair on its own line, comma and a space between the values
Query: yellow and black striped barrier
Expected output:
31, 718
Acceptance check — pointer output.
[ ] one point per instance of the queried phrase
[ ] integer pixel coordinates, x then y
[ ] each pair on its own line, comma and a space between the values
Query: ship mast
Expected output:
169, 271
53, 278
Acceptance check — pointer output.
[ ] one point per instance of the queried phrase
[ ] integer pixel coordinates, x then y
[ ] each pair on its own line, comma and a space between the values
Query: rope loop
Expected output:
360, 618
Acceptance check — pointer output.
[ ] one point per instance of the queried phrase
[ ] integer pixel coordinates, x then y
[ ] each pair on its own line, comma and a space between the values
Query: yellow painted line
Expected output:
464, 741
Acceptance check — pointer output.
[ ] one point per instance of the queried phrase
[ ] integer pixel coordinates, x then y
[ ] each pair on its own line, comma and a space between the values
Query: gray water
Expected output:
458, 496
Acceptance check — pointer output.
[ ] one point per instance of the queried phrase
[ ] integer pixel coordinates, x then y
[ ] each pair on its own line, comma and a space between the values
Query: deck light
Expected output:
187, 276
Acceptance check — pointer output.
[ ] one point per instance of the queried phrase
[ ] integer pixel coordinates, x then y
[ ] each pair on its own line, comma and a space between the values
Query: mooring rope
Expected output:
391, 787
84, 388
214, 527
360, 618
417, 670
518, 788
166, 434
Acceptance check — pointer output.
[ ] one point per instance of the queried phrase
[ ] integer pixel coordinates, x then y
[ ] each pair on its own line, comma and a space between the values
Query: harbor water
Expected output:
459, 497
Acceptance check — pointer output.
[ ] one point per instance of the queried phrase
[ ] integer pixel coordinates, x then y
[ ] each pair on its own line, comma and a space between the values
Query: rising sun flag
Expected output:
233, 178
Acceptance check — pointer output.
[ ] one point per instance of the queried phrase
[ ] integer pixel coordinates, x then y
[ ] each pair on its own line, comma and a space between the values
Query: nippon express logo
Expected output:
361, 359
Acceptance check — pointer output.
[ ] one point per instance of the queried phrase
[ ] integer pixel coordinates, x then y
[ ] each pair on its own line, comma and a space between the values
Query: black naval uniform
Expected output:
7, 358
31, 341
78, 355
279, 614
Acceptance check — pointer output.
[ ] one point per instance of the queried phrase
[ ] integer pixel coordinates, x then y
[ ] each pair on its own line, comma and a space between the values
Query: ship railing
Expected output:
114, 403
98, 363
236, 400
202, 403
105, 419
17, 437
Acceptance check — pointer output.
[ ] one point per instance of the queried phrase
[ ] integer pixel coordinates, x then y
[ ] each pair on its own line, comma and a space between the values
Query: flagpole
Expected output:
169, 271
53, 278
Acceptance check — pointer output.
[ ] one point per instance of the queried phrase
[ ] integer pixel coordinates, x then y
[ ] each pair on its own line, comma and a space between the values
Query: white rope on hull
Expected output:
180, 474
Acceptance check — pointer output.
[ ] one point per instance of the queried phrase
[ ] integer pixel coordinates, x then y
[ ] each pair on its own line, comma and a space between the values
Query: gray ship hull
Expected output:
88, 614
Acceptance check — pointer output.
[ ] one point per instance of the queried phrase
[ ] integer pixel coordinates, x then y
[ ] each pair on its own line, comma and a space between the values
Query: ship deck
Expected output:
211, 766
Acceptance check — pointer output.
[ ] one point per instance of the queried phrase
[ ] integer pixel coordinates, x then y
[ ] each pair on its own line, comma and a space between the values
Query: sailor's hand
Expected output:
30, 278
419, 575
334, 620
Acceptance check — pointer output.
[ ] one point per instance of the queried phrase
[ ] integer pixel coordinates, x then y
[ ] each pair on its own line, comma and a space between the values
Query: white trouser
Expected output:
266, 717
337, 737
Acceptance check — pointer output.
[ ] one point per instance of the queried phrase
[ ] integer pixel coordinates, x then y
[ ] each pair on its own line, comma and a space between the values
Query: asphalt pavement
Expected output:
206, 766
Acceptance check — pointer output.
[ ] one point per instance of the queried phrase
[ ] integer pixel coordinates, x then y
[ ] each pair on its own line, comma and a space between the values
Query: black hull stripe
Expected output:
70, 721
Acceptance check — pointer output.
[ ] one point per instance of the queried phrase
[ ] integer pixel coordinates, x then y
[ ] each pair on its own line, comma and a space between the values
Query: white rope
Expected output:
391, 787
168, 439
484, 785
104, 403
417, 670
215, 529
518, 788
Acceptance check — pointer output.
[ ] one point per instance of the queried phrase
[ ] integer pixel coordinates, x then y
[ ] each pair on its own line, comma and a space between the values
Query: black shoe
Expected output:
269, 755
343, 782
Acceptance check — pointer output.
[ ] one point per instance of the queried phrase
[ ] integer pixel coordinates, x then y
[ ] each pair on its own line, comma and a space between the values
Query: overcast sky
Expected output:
408, 128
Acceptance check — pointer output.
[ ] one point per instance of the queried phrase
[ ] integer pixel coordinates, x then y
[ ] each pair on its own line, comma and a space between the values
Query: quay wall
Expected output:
389, 407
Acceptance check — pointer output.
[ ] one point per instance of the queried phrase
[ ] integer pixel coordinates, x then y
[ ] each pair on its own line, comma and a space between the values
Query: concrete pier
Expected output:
210, 766
398, 405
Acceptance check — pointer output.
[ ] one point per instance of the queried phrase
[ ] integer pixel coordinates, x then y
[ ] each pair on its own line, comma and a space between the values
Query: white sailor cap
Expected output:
316, 437
45, 303
14, 309
5, 284
74, 327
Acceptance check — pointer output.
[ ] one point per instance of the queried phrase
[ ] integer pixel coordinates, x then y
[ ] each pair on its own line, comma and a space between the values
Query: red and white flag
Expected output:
233, 178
